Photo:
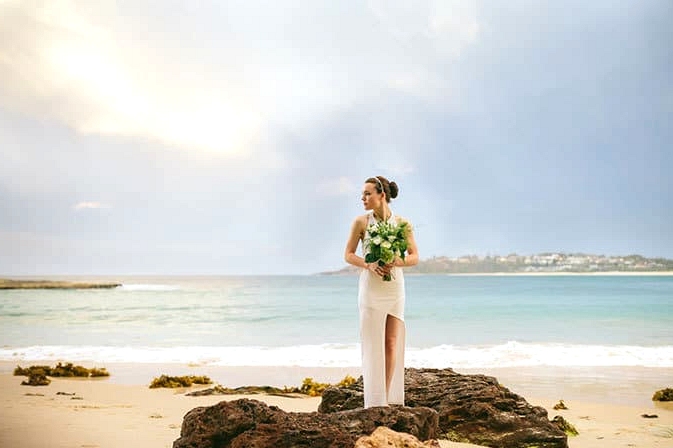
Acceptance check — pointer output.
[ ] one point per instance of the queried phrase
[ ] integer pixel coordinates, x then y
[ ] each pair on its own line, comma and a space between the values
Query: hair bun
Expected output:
393, 190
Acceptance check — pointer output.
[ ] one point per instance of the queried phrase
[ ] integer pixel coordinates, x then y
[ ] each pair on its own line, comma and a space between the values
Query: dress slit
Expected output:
373, 337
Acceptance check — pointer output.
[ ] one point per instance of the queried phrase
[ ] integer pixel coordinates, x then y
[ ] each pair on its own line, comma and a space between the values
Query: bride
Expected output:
381, 303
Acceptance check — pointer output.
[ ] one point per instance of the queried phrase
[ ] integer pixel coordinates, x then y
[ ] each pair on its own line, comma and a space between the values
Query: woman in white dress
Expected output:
381, 303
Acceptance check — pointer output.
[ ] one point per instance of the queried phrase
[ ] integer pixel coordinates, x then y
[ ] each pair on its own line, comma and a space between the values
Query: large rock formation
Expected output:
248, 423
472, 408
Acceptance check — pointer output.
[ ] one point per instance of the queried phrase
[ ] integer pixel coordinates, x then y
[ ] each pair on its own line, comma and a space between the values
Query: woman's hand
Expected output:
379, 270
398, 263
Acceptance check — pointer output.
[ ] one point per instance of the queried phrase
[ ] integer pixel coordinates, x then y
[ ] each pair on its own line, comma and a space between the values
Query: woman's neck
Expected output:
382, 213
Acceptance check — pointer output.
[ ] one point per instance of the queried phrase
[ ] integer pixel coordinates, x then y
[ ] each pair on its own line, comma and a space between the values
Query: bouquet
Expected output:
386, 241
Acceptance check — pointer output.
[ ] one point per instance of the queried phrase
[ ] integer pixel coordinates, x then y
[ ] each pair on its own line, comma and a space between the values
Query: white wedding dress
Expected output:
376, 300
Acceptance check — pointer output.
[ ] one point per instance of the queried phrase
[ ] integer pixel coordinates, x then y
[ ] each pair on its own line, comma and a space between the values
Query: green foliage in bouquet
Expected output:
386, 242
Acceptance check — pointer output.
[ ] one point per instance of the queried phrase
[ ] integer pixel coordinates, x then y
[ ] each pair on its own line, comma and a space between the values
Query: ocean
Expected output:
463, 322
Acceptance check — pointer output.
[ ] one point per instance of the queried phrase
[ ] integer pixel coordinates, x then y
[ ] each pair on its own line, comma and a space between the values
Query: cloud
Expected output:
55, 61
340, 186
105, 69
90, 205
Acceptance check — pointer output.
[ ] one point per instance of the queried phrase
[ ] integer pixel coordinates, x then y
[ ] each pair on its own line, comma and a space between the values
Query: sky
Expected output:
233, 137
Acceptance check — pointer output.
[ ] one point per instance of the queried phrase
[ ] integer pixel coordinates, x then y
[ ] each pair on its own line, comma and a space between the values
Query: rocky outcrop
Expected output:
471, 408
384, 437
251, 423
54, 284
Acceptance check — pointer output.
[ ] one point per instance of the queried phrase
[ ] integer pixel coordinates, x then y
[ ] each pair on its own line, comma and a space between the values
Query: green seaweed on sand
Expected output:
36, 379
68, 370
179, 381
315, 389
565, 426
663, 395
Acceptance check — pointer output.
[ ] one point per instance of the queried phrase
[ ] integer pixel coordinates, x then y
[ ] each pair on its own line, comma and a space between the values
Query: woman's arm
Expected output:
356, 233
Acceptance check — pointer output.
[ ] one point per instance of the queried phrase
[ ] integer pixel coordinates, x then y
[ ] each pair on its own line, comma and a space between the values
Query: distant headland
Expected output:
556, 262
53, 284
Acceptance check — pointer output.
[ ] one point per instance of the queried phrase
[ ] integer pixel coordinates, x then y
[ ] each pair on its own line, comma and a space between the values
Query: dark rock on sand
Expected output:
251, 423
245, 390
472, 408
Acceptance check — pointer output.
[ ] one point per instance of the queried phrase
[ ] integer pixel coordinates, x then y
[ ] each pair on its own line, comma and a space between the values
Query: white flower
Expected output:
377, 240
386, 244
391, 238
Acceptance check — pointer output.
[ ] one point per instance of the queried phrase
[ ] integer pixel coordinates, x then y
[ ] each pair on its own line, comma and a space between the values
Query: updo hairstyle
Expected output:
383, 185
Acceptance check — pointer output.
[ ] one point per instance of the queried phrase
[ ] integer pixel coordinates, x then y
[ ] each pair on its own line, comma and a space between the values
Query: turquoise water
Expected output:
464, 321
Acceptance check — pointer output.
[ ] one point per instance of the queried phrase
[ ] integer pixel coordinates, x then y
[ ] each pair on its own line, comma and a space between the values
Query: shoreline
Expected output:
70, 281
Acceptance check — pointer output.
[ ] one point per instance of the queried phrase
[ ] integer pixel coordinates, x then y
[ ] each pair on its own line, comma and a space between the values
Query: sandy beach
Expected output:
123, 411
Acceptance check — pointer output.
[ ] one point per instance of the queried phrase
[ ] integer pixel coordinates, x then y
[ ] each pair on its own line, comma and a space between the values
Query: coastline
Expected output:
122, 410
6, 284
523, 274
96, 282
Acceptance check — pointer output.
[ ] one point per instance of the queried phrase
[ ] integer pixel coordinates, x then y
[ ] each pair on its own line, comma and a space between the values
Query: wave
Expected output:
147, 287
510, 354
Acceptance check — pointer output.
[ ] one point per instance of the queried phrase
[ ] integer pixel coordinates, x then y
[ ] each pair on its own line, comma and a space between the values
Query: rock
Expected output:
649, 415
384, 437
245, 390
336, 399
252, 424
472, 408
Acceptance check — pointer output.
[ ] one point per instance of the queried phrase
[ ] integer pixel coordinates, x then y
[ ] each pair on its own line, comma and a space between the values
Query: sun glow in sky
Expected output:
233, 137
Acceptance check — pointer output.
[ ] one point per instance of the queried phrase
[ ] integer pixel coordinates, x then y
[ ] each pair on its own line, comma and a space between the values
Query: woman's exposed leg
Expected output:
394, 329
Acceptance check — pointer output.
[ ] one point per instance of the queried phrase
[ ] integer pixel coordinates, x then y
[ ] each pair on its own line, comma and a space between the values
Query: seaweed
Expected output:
309, 387
67, 370
36, 379
315, 389
565, 426
560, 405
663, 395
179, 381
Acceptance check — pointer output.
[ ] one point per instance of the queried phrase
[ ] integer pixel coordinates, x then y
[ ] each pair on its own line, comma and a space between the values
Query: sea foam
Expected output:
510, 354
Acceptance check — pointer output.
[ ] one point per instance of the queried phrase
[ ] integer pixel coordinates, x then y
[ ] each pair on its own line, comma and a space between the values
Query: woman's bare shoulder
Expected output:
360, 224
361, 221
402, 219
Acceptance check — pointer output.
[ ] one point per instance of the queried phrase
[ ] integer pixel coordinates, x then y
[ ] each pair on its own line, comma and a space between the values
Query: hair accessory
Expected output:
379, 181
